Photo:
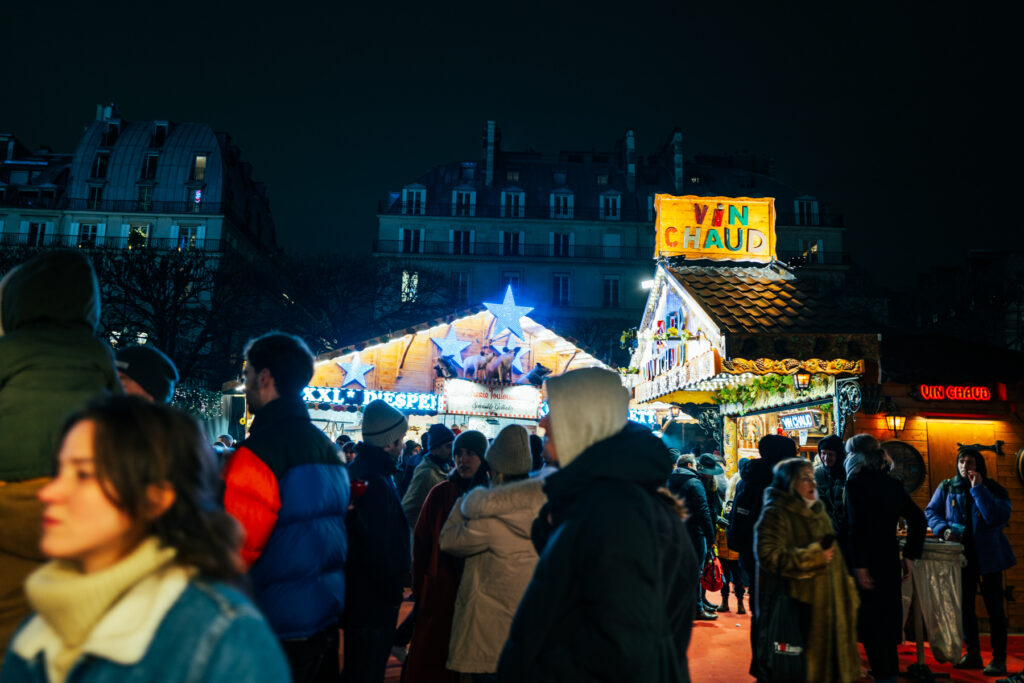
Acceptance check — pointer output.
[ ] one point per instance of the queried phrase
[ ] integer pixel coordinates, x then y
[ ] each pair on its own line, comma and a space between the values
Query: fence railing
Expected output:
531, 211
13, 239
595, 251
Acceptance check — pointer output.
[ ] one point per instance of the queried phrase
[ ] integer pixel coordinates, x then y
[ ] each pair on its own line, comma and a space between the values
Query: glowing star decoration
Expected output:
355, 371
517, 362
507, 315
450, 345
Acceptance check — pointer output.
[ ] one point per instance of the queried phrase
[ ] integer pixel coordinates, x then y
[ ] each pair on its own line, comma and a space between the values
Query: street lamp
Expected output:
894, 420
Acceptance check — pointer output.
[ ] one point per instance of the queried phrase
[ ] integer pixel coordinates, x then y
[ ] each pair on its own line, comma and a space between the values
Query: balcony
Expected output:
14, 239
497, 249
803, 259
144, 206
28, 201
521, 212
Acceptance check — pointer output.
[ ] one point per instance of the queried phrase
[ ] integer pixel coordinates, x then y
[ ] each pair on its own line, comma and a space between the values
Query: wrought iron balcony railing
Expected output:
9, 239
594, 251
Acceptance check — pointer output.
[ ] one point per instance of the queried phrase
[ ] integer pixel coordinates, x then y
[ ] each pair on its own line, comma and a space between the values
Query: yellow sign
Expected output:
716, 228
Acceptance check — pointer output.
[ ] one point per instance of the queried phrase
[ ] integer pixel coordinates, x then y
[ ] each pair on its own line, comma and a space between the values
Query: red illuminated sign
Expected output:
953, 392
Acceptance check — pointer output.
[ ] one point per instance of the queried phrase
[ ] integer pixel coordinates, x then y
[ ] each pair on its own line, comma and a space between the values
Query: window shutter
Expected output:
572, 244
503, 195
501, 242
472, 203
23, 228
421, 245
73, 234
551, 243
472, 240
101, 230
451, 241
522, 243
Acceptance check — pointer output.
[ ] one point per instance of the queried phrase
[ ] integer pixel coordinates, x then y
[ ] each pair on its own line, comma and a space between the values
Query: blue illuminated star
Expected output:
507, 315
517, 362
355, 371
450, 345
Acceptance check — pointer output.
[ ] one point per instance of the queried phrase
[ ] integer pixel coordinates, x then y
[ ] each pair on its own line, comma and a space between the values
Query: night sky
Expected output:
889, 114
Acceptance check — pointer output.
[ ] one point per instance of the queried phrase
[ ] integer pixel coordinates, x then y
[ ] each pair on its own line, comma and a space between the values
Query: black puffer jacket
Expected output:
614, 593
686, 485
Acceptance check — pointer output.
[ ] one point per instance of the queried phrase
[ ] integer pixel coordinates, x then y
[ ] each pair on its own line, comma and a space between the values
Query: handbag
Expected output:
712, 578
781, 639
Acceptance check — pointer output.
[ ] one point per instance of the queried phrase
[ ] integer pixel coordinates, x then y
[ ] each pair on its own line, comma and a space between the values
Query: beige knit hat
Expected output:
587, 405
382, 424
510, 451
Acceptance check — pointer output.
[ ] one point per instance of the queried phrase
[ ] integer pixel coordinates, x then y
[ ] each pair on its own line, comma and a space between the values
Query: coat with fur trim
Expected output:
491, 529
790, 559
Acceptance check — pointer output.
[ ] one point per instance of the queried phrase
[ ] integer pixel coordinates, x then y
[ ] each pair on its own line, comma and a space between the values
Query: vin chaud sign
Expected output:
716, 228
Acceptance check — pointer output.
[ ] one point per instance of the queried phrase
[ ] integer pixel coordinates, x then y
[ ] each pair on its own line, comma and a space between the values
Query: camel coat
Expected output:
786, 539
491, 529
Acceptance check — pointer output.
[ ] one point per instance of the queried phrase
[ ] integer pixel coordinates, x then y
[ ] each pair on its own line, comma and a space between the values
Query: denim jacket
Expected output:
210, 633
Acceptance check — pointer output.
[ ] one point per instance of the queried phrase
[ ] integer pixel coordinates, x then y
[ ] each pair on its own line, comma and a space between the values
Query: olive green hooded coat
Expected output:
786, 539
51, 362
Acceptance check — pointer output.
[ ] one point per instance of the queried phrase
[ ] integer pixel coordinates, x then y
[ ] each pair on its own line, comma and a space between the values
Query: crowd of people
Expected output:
132, 548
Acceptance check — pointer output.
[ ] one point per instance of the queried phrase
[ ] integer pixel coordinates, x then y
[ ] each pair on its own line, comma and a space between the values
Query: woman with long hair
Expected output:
797, 555
142, 561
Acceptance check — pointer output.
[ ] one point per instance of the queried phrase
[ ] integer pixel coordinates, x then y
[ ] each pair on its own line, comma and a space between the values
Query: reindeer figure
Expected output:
475, 367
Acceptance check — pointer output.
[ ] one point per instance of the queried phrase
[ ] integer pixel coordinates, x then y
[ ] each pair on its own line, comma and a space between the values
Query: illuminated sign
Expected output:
953, 392
648, 418
797, 421
716, 228
405, 401
462, 397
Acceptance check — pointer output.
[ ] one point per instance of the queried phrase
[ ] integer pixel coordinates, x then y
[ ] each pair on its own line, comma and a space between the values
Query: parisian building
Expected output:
573, 234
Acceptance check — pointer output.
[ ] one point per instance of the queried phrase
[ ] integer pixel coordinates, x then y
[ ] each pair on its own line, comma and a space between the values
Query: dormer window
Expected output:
466, 173
463, 202
602, 180
512, 176
159, 134
611, 206
199, 168
100, 164
561, 204
806, 209
414, 201
111, 133
149, 167
559, 178
513, 204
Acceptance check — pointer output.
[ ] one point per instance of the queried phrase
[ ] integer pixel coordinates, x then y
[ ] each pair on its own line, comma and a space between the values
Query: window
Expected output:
138, 235
462, 242
410, 283
36, 234
145, 198
560, 289
110, 135
650, 207
510, 278
99, 165
806, 211
195, 199
460, 287
611, 245
561, 243
199, 168
159, 134
695, 180
602, 179
414, 201
188, 237
610, 207
463, 203
611, 291
512, 176
149, 167
466, 173
561, 205
512, 203
95, 197
511, 244
812, 250
87, 233
412, 240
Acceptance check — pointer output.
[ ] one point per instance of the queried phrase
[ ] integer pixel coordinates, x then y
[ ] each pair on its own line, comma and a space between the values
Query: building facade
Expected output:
574, 235
152, 184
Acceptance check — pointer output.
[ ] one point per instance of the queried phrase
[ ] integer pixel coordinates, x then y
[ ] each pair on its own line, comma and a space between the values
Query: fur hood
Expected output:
527, 494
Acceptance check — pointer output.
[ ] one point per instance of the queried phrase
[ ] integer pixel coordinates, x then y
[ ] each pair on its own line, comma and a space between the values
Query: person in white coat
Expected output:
490, 527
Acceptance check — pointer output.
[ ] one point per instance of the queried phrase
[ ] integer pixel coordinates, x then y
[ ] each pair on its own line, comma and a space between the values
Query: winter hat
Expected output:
471, 440
706, 464
438, 435
151, 369
382, 424
510, 451
586, 406
775, 447
831, 443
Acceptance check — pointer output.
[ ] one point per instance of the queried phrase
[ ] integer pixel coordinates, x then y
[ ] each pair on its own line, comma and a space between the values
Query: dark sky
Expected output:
885, 113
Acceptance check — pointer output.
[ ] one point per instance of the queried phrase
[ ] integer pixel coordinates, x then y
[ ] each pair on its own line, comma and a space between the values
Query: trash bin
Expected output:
936, 589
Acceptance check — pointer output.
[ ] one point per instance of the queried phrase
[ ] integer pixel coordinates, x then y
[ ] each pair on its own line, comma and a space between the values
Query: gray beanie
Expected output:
382, 424
510, 451
471, 440
151, 369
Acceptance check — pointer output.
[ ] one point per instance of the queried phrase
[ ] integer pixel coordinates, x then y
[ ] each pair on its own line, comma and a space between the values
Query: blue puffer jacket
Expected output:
290, 490
991, 512
210, 634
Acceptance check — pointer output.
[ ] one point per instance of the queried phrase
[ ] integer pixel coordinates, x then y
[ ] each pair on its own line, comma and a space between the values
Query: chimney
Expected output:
99, 112
631, 160
677, 161
490, 143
